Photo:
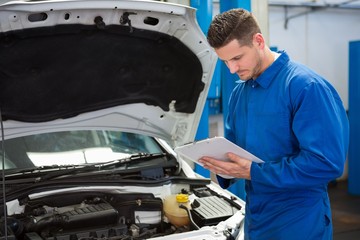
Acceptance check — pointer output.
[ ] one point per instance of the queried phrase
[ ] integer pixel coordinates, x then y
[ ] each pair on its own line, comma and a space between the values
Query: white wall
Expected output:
318, 39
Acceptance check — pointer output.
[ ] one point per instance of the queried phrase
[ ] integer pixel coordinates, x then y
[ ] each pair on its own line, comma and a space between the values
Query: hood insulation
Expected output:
61, 71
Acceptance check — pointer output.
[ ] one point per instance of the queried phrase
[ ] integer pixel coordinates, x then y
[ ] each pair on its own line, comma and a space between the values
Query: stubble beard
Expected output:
255, 72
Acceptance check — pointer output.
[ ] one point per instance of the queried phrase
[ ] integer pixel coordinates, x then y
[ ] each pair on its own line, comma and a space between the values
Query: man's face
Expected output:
245, 61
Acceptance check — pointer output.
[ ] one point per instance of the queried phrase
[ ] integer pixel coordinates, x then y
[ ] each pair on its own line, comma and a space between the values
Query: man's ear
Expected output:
258, 40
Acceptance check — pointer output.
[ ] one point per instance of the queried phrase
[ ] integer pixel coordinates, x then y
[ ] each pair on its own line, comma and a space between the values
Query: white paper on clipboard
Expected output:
215, 147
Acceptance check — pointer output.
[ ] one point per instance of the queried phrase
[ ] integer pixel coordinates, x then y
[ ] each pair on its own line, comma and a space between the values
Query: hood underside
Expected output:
61, 71
95, 58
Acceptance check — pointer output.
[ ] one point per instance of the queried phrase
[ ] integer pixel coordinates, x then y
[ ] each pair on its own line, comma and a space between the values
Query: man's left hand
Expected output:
236, 167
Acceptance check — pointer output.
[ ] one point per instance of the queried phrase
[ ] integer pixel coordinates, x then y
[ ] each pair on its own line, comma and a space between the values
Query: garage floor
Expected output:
346, 212
345, 207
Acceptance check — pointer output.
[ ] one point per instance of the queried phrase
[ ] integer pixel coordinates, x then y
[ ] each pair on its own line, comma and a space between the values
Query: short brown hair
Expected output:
237, 24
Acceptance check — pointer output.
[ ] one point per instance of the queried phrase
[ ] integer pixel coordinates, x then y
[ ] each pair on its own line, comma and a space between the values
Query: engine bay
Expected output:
112, 213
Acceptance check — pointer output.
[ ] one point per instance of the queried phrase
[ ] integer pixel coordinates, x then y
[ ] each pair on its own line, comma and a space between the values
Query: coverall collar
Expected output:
265, 79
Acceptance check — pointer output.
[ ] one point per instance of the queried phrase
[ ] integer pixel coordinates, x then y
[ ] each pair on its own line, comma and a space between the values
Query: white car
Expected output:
95, 95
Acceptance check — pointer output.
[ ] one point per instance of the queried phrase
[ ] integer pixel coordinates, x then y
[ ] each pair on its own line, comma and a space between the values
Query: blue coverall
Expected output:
294, 120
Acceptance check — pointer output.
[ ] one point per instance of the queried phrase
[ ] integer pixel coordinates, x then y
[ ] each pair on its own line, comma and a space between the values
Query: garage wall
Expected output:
318, 39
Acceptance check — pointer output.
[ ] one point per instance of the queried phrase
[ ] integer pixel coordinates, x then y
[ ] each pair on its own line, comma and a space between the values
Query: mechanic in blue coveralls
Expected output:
288, 116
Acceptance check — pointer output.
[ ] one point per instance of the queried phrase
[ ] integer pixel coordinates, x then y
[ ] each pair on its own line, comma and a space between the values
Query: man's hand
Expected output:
236, 167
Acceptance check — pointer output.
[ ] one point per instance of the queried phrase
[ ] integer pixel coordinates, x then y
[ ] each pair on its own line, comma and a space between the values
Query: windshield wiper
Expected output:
36, 170
101, 166
43, 173
133, 158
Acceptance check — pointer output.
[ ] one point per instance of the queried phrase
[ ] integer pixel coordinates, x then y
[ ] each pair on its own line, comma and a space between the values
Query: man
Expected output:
288, 116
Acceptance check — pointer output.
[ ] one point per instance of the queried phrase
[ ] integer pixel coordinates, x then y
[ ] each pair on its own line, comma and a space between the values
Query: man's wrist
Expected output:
249, 170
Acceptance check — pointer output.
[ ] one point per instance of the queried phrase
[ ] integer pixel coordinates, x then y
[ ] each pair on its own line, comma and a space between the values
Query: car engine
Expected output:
111, 215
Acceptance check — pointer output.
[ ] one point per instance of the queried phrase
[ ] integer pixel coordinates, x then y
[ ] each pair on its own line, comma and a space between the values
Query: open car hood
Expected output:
138, 66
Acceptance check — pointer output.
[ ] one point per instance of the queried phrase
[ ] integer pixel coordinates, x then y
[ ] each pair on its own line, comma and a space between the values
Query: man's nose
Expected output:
233, 67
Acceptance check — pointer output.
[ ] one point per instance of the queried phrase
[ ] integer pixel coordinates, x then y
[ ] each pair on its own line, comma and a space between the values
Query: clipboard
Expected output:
215, 147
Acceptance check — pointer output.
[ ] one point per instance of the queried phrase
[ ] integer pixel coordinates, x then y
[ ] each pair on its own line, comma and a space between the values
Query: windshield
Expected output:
74, 148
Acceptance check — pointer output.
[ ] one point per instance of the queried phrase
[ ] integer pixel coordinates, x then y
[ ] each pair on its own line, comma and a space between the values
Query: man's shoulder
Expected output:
300, 75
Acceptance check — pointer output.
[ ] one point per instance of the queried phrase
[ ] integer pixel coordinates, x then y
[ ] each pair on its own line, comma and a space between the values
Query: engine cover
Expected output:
211, 210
